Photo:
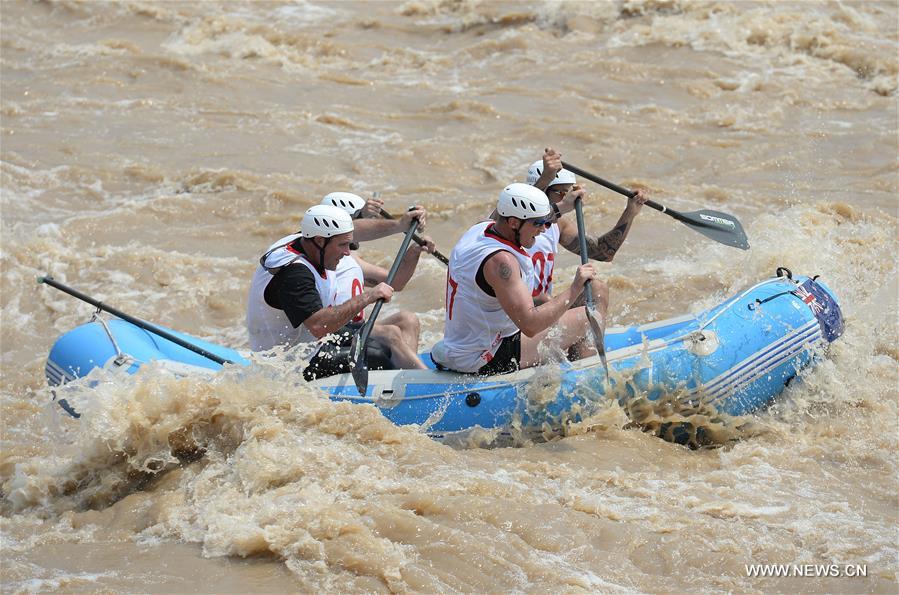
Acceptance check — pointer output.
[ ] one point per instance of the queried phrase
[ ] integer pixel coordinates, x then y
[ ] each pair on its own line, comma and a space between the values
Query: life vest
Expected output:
267, 326
543, 256
475, 321
350, 282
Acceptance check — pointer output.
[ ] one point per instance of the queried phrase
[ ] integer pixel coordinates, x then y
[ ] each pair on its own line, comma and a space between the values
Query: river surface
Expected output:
152, 150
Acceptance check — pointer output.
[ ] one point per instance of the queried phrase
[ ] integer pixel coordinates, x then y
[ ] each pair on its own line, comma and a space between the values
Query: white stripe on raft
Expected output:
771, 364
714, 384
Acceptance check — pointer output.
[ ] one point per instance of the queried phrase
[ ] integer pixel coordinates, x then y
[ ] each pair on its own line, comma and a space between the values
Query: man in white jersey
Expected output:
353, 273
488, 300
561, 188
293, 298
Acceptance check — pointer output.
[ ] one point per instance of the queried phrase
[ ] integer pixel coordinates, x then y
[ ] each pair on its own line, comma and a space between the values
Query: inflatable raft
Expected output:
735, 357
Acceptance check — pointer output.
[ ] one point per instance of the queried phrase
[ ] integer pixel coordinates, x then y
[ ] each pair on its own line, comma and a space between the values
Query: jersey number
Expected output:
451, 287
355, 290
543, 272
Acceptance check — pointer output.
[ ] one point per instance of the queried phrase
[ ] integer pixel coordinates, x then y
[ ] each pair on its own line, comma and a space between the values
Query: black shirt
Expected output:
293, 290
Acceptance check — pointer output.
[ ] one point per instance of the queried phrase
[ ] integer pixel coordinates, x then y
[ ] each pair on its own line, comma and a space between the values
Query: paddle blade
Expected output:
359, 365
721, 227
598, 338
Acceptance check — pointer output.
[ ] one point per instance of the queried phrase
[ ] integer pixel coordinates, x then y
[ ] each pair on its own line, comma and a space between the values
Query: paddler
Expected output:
493, 325
293, 299
353, 273
562, 190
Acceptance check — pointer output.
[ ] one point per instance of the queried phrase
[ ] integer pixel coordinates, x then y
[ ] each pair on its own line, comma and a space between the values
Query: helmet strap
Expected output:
518, 233
321, 255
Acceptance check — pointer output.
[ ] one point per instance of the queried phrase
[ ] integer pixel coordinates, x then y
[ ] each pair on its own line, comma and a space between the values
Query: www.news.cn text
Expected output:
806, 570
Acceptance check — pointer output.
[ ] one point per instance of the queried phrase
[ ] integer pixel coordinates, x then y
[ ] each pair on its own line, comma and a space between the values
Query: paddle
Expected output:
418, 240
135, 321
588, 288
357, 349
718, 226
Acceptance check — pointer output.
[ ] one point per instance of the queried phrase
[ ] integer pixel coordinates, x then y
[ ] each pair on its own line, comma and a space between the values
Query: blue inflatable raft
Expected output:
735, 358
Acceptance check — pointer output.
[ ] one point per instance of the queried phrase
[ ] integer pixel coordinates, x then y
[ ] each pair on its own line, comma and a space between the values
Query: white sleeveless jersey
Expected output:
350, 282
543, 256
269, 327
475, 322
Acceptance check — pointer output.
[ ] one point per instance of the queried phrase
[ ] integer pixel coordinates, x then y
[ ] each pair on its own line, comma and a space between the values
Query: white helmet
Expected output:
522, 201
325, 221
349, 202
563, 177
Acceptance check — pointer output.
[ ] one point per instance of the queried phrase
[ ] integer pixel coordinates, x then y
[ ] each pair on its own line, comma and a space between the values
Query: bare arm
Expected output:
541, 299
373, 229
407, 267
504, 275
328, 320
604, 247
375, 274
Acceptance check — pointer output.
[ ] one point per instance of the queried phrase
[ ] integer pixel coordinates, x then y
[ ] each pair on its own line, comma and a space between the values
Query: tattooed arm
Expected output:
602, 248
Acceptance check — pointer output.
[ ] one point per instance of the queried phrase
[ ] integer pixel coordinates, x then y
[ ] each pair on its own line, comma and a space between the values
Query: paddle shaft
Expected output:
721, 227
582, 238
366, 329
419, 240
598, 339
135, 321
619, 189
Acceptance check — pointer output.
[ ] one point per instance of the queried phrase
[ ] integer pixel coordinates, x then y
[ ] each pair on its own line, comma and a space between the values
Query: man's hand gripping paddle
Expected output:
357, 349
595, 327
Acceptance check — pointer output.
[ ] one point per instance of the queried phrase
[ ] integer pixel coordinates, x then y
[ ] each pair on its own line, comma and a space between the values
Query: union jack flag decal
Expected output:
823, 306
809, 298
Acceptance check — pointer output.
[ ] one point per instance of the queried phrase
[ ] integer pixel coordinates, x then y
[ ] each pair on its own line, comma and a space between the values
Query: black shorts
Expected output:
334, 356
507, 358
